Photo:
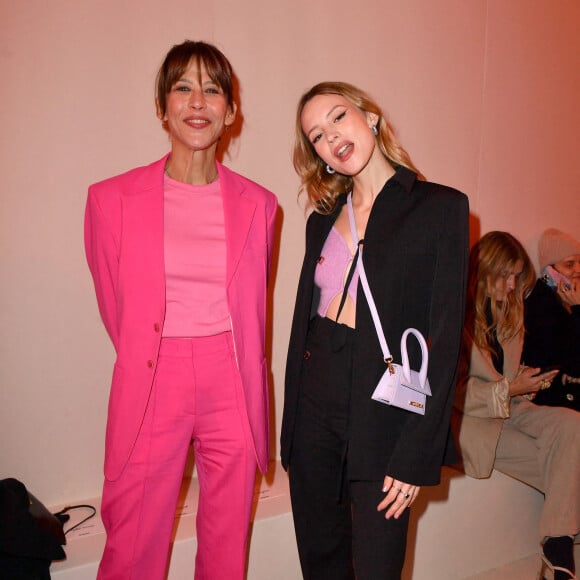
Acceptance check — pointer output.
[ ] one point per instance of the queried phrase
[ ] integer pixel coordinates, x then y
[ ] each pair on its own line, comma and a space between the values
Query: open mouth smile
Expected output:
197, 123
343, 151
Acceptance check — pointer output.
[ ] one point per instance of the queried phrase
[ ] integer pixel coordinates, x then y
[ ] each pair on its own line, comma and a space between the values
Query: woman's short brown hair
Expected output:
177, 60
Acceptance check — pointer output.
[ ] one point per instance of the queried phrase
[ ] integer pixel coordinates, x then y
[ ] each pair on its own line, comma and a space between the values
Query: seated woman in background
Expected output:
552, 315
497, 424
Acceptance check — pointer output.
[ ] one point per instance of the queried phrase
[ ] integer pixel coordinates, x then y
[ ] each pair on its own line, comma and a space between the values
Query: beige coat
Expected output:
482, 403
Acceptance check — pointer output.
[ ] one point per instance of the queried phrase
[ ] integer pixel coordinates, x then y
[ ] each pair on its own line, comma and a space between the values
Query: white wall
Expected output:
483, 94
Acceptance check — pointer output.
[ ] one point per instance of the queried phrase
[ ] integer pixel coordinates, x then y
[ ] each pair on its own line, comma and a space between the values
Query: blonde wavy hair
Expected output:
493, 257
322, 188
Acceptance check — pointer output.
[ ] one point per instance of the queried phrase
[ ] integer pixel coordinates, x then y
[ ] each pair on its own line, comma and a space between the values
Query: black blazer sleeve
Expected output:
418, 454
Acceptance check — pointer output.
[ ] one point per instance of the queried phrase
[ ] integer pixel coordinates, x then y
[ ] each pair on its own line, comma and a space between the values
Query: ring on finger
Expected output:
407, 496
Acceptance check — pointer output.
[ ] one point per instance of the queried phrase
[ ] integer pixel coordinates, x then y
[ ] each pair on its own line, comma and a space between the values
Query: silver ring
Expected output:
407, 496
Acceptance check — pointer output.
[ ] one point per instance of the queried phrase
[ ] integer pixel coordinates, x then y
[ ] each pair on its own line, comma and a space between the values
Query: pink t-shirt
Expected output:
195, 260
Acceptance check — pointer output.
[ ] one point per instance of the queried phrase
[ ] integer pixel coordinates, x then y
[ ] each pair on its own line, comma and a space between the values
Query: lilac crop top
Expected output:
332, 270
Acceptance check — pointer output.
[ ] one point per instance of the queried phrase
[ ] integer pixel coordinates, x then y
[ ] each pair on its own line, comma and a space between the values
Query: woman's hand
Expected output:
399, 496
571, 295
529, 381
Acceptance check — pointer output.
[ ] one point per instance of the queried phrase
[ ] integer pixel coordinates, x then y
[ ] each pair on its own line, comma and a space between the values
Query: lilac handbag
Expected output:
399, 386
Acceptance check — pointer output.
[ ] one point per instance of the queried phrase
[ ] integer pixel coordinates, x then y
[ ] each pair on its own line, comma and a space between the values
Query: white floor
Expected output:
442, 523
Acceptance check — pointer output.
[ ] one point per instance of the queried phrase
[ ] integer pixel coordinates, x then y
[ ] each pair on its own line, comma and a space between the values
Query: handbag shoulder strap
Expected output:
365, 284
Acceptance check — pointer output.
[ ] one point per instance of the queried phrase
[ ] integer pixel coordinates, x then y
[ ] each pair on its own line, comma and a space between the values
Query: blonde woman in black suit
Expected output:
355, 465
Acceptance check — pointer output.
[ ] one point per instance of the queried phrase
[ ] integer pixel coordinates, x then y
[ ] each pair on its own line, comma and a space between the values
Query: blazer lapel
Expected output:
238, 215
146, 207
512, 354
143, 224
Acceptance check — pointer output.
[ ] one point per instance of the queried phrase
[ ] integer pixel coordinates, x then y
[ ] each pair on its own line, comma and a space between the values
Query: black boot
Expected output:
558, 555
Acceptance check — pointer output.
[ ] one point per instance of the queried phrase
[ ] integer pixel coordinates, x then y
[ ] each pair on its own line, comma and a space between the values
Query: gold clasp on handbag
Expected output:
389, 363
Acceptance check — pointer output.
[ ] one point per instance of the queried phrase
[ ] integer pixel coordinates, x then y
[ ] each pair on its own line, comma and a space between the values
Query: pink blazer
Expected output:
124, 248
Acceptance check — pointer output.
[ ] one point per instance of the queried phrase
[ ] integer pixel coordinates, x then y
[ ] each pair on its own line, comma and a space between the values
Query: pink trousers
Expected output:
197, 395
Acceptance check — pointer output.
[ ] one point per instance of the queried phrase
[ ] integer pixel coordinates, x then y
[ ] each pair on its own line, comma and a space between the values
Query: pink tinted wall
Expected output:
483, 95
529, 172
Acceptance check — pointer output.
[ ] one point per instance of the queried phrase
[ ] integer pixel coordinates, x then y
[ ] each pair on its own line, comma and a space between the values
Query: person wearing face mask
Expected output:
179, 252
496, 424
356, 465
552, 314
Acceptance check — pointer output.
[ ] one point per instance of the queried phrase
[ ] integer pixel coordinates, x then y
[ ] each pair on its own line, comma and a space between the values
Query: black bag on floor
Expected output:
30, 536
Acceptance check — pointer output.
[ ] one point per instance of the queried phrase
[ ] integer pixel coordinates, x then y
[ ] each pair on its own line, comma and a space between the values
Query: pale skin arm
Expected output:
569, 296
529, 381
399, 496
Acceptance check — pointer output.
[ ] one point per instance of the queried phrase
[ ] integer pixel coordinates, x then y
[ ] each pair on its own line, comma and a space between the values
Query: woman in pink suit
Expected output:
180, 251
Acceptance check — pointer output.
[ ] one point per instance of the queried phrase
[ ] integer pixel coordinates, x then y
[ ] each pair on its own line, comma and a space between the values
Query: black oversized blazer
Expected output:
416, 259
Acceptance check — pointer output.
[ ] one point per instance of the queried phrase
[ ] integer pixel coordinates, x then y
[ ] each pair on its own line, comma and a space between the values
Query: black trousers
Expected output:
340, 534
